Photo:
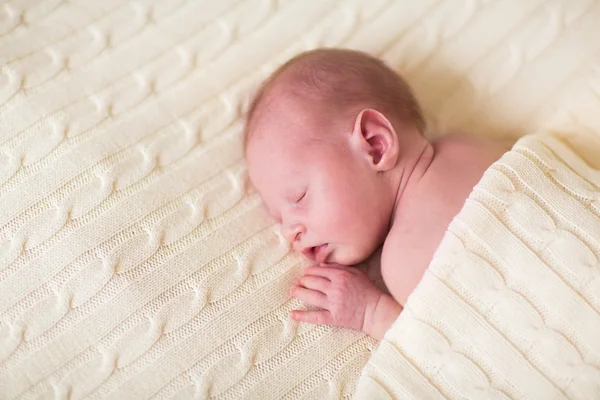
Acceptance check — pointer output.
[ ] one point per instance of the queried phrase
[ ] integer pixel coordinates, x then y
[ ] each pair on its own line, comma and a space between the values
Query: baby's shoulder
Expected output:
420, 225
461, 146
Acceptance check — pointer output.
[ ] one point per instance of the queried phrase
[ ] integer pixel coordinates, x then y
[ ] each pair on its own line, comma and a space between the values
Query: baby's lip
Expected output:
321, 253
309, 252
316, 253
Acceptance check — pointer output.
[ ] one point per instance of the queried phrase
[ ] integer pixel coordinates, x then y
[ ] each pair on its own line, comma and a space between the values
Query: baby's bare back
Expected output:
424, 215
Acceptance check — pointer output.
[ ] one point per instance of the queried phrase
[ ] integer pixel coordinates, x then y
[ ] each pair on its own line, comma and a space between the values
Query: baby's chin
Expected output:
349, 256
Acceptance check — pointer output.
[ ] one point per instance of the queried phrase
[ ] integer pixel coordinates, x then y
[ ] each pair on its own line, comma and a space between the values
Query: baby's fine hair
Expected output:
345, 80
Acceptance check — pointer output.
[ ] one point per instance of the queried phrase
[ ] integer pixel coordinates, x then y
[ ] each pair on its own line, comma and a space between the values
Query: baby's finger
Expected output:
327, 271
350, 268
315, 282
324, 271
309, 296
321, 317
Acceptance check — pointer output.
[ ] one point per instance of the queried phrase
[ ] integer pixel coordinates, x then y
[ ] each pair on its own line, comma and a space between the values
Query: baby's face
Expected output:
323, 194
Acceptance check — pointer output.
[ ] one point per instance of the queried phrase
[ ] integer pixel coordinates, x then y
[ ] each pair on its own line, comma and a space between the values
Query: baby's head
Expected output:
325, 139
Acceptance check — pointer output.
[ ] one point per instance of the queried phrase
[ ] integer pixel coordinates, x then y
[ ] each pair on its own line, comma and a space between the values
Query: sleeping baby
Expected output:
335, 148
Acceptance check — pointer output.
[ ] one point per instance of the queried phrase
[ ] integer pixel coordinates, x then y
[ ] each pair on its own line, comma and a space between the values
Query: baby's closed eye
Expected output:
301, 197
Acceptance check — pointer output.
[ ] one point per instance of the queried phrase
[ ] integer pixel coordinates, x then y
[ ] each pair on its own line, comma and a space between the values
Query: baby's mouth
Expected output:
309, 252
316, 253
321, 253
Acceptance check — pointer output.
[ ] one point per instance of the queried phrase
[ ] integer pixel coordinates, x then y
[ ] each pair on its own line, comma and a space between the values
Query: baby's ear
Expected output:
374, 136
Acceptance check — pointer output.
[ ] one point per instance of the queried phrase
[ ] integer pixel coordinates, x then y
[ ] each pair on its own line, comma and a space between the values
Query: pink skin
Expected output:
337, 186
344, 293
321, 194
350, 186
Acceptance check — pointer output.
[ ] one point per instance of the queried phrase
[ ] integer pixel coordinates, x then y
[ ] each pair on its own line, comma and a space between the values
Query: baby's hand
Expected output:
345, 294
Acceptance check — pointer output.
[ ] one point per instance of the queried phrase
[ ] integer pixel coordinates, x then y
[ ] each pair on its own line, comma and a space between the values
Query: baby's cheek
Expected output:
340, 211
337, 208
329, 218
343, 219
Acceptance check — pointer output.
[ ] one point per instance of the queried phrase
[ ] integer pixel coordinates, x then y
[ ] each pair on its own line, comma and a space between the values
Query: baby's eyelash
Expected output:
301, 197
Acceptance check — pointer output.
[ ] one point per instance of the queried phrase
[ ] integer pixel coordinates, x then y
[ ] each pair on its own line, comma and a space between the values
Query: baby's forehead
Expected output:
274, 173
288, 121
275, 145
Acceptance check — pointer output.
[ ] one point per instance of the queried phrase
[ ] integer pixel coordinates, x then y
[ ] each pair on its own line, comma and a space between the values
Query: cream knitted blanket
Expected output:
509, 308
135, 260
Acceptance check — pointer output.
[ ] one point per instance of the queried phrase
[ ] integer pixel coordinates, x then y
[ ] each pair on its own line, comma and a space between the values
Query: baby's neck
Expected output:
411, 170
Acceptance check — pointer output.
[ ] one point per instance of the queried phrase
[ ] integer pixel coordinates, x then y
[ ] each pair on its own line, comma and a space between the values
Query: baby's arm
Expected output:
347, 298
381, 319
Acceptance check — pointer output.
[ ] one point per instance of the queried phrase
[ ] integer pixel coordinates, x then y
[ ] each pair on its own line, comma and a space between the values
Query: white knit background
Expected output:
135, 260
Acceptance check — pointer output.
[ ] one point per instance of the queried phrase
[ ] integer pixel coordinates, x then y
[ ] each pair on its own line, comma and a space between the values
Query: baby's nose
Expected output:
292, 232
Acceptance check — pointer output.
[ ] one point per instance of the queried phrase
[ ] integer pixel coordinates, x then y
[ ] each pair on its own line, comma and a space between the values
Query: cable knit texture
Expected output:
136, 261
510, 305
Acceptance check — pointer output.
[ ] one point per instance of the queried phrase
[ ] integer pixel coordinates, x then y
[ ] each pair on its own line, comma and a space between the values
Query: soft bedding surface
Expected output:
510, 305
135, 259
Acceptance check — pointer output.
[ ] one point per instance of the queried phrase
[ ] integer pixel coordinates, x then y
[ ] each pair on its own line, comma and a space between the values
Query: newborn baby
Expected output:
335, 149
